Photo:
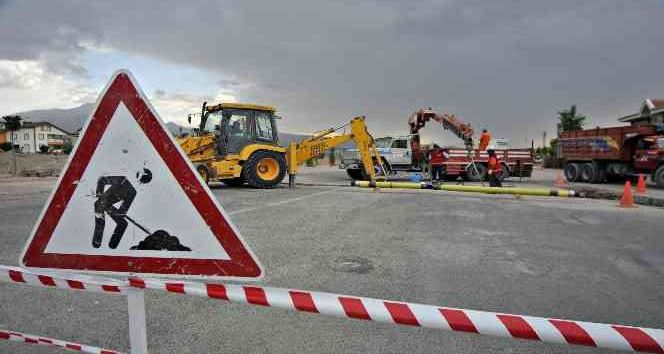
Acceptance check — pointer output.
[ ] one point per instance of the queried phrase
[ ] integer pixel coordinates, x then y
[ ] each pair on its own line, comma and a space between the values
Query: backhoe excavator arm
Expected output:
298, 153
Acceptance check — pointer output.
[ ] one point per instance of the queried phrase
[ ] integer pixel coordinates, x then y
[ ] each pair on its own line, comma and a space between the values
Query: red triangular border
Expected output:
122, 89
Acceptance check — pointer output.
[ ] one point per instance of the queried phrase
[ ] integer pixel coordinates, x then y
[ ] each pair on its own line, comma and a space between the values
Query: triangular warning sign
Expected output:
129, 201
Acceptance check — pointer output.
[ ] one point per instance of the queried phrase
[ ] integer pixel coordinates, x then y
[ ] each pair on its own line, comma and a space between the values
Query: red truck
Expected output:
596, 155
397, 155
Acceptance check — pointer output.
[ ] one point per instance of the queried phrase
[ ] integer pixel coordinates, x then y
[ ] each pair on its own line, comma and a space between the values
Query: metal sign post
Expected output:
138, 337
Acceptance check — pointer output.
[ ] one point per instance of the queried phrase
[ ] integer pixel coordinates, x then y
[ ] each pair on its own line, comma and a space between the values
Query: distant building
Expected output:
3, 135
651, 112
32, 136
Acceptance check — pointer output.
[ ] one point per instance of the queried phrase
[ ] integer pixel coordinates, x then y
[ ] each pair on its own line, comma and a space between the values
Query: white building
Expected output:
32, 136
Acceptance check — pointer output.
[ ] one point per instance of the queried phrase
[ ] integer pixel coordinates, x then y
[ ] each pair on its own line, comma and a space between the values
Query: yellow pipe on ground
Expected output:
507, 190
472, 189
379, 184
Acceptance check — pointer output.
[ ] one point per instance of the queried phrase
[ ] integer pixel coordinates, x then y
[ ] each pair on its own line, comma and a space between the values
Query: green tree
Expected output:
13, 123
569, 120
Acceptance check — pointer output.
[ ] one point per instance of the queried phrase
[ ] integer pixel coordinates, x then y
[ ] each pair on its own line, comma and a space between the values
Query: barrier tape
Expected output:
63, 281
549, 330
445, 318
50, 342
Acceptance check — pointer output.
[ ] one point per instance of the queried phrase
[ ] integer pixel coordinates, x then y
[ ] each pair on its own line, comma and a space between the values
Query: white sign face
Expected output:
111, 195
129, 201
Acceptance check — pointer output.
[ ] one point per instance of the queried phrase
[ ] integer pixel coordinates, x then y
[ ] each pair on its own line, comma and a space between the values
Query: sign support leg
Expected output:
138, 338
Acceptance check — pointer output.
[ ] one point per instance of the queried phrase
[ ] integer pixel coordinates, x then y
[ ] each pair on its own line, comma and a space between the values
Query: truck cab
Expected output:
649, 153
395, 150
395, 153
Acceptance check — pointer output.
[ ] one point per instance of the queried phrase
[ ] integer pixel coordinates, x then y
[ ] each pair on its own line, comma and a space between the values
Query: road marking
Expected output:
269, 205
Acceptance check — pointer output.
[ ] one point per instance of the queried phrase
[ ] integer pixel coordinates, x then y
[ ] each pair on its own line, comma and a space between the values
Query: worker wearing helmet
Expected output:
495, 169
485, 139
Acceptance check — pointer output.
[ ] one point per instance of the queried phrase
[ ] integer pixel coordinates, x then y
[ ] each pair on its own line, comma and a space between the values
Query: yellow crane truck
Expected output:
237, 143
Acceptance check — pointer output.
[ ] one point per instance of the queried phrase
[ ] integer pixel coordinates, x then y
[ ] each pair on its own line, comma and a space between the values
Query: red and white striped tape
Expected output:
395, 312
64, 281
451, 319
50, 342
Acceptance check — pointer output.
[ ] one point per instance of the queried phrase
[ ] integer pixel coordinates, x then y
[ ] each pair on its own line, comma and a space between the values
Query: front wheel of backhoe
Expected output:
264, 169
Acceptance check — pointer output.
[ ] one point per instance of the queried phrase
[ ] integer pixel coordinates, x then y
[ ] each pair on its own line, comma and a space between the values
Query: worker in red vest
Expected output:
437, 158
495, 169
485, 139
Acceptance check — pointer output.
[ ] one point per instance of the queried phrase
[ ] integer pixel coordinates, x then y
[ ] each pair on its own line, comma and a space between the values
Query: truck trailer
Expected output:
600, 154
397, 155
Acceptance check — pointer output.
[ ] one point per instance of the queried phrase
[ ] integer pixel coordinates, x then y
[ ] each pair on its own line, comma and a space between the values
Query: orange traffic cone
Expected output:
641, 185
627, 200
560, 181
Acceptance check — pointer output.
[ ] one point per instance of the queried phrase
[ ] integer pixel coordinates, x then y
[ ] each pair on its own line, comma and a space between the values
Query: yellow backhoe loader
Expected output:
237, 143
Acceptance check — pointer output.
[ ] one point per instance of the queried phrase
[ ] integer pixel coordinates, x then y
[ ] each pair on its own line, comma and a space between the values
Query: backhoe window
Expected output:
264, 126
237, 124
237, 131
212, 122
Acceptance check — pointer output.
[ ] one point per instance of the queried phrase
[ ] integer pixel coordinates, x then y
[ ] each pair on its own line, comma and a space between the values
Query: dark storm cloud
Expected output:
507, 65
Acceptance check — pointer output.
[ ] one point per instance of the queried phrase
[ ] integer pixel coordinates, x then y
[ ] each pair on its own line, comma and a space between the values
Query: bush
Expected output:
6, 146
67, 149
43, 149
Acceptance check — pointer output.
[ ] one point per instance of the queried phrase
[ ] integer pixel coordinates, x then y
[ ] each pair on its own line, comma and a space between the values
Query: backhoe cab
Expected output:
237, 143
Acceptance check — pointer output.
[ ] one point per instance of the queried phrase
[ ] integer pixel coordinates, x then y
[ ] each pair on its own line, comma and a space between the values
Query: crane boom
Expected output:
448, 121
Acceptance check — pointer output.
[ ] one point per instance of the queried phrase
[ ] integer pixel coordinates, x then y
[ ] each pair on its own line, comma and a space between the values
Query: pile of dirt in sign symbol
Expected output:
160, 240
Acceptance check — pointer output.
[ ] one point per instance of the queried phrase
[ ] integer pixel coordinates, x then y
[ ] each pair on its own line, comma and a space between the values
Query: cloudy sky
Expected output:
503, 65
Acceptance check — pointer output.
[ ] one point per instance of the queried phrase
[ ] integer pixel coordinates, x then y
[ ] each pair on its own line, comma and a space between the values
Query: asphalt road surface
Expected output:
565, 258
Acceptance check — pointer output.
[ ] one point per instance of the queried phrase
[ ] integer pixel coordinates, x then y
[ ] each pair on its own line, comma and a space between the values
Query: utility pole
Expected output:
544, 139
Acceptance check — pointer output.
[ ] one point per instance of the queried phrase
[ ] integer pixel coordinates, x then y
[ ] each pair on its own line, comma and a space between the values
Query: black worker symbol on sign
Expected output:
115, 194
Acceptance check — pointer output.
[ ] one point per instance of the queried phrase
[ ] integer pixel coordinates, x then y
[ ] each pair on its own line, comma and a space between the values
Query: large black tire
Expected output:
361, 175
588, 172
234, 182
357, 174
256, 177
572, 171
204, 172
658, 177
476, 176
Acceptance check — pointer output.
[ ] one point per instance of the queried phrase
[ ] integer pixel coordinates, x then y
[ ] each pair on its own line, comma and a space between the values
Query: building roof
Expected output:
649, 107
29, 124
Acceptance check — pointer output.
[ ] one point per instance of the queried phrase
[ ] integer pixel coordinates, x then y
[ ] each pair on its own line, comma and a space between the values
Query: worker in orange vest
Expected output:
495, 169
485, 139
437, 158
